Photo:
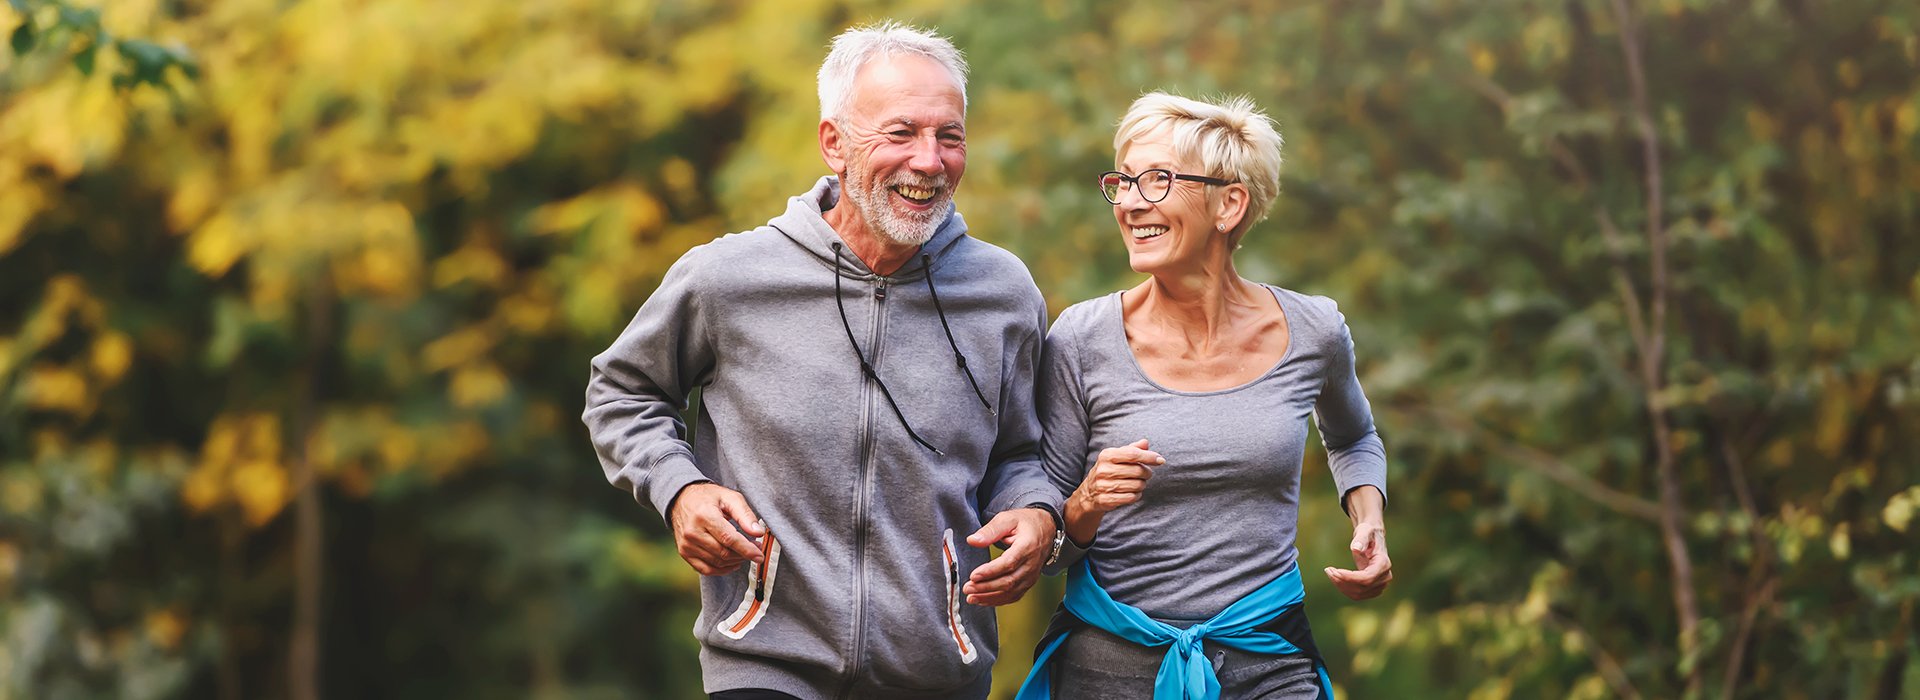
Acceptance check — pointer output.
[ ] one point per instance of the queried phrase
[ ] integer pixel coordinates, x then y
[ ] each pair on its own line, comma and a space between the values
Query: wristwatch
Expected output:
1059, 532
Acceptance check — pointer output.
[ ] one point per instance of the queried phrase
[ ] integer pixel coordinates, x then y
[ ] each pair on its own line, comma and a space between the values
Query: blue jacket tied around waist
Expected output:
1254, 623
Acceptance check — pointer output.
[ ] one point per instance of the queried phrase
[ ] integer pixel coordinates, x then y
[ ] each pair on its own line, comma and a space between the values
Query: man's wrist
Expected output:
674, 502
1059, 531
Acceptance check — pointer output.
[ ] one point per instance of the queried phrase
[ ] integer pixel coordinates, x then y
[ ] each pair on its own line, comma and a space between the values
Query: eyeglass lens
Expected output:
1153, 185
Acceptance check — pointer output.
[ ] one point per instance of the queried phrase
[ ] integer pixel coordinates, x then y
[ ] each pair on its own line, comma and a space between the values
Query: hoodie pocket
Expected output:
955, 627
758, 597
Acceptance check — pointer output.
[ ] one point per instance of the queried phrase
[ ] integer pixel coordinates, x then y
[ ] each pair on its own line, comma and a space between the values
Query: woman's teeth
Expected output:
1141, 233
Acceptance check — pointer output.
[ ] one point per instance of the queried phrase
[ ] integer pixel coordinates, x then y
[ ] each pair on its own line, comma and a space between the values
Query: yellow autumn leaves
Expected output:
240, 463
69, 385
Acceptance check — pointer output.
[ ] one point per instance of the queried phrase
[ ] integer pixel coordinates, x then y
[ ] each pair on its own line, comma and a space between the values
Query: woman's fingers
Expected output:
1132, 454
1120, 475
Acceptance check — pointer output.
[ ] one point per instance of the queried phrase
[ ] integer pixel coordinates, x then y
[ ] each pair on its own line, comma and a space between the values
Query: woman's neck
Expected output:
1198, 305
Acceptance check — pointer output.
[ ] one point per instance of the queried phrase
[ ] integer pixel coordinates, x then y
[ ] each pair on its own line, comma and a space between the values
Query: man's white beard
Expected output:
872, 198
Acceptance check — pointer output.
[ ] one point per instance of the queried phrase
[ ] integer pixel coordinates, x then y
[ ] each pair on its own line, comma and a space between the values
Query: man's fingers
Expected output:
997, 568
702, 548
705, 534
994, 531
997, 599
988, 586
706, 567
994, 600
994, 582
735, 506
739, 545
1016, 562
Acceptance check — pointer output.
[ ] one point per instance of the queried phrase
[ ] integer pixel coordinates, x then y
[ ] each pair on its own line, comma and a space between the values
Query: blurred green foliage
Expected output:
296, 301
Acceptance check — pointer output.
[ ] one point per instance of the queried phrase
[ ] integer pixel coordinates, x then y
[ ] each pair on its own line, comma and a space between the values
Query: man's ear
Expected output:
832, 142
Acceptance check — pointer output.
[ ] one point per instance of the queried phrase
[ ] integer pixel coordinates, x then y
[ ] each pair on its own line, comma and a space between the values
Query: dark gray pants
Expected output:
1095, 664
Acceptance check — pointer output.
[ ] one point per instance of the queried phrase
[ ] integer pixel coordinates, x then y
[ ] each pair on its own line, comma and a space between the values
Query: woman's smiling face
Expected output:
1173, 234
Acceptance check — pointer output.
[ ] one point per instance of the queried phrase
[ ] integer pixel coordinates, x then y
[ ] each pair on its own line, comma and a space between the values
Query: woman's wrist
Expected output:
1365, 505
1082, 520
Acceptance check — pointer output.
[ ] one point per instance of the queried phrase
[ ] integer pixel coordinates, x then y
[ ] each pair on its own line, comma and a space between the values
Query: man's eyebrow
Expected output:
909, 123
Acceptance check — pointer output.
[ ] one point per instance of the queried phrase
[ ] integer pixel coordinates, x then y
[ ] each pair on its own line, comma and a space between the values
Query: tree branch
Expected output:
1545, 464
1760, 580
1672, 510
1609, 667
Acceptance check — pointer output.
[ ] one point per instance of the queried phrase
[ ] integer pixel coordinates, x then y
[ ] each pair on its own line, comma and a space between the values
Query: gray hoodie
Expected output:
860, 593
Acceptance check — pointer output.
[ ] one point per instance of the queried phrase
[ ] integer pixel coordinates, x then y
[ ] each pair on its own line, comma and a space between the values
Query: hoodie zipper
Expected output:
877, 321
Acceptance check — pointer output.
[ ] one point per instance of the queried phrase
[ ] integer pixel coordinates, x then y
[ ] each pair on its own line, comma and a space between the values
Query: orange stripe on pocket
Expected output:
959, 631
759, 596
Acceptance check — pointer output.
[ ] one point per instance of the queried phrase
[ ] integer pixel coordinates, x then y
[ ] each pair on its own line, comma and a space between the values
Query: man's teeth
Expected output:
1144, 232
914, 193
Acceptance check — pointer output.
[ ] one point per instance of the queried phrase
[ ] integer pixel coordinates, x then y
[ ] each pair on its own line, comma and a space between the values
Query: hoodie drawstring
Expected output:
926, 266
866, 368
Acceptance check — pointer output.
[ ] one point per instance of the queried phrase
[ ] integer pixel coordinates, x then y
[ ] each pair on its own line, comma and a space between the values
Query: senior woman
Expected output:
1175, 416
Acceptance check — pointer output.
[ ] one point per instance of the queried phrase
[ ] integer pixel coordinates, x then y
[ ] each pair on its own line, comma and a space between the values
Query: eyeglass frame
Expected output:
1171, 177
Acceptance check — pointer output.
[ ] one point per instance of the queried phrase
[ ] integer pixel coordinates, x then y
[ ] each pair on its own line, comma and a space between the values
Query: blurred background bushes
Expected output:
296, 300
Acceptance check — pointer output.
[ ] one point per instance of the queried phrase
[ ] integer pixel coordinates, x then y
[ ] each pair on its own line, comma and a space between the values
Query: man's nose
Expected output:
926, 156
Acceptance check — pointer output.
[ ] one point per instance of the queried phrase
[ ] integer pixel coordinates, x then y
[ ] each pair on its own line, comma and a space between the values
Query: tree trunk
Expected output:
309, 560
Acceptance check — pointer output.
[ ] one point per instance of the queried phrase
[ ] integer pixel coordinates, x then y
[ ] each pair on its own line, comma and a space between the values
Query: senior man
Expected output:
866, 371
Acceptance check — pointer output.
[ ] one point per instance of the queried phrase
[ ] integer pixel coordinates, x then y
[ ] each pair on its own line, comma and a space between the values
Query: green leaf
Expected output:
85, 20
84, 59
142, 53
148, 61
23, 37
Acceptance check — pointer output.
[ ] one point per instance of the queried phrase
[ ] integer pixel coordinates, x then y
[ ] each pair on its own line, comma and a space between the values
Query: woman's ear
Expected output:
1232, 208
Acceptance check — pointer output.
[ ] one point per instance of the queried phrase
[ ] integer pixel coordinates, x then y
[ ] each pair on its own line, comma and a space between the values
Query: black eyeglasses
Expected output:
1153, 184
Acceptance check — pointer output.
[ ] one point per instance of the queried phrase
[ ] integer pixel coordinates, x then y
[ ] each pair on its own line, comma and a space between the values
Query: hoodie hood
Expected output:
805, 224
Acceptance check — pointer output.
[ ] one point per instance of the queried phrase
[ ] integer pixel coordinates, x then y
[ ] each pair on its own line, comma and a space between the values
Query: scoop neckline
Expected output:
1120, 329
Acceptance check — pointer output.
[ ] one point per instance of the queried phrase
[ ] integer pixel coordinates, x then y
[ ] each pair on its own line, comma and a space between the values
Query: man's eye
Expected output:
900, 133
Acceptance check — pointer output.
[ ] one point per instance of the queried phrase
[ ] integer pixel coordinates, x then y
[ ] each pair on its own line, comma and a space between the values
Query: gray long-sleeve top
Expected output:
1219, 519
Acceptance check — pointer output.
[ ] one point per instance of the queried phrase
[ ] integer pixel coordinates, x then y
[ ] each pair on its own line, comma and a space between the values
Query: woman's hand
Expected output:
1118, 478
1373, 569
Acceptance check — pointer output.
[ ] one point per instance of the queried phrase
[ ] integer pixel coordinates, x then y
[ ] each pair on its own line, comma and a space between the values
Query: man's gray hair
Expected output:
856, 47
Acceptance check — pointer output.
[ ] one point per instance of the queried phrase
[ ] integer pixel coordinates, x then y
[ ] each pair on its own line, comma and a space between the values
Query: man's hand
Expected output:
1027, 534
1374, 567
704, 532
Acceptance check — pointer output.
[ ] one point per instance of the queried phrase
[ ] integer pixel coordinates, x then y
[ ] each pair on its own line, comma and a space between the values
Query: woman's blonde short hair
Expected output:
1231, 139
